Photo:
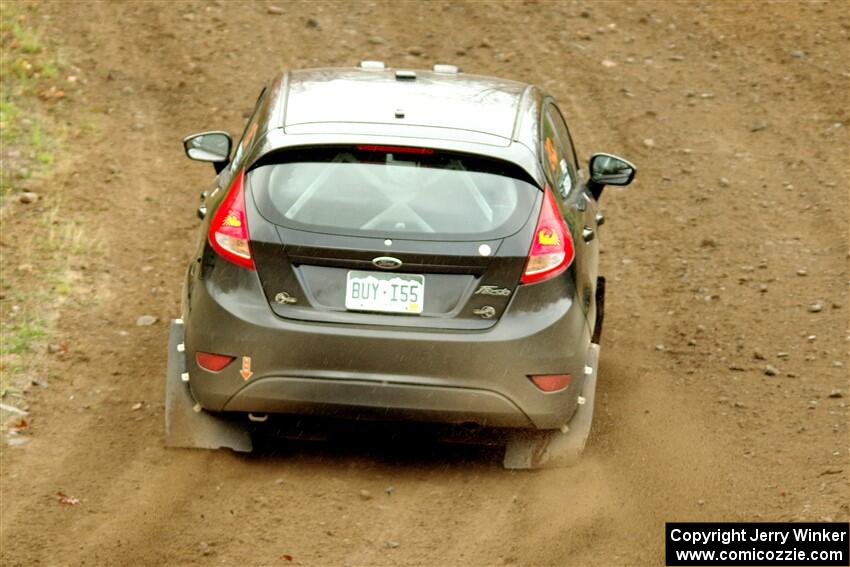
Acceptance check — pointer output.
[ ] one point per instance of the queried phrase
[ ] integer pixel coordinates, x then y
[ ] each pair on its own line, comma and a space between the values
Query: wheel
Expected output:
541, 449
600, 310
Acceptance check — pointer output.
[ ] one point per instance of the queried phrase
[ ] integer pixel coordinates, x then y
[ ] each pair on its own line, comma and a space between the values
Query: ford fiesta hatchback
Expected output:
394, 245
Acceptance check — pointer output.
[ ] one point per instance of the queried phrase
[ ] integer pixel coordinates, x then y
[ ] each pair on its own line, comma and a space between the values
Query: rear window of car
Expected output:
413, 193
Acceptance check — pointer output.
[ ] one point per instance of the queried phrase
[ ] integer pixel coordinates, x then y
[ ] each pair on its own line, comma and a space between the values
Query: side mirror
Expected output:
607, 169
209, 146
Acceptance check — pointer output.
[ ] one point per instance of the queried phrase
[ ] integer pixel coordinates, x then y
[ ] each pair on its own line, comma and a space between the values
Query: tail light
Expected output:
229, 227
551, 382
552, 249
213, 362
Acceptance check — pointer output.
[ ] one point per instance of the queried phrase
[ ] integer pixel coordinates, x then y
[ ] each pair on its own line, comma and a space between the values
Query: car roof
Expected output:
441, 108
411, 97
417, 98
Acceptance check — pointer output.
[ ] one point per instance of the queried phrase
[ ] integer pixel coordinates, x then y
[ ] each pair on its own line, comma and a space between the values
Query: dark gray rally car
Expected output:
394, 245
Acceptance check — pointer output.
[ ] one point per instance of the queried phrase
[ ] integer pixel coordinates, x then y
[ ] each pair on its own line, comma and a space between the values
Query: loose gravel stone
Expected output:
146, 321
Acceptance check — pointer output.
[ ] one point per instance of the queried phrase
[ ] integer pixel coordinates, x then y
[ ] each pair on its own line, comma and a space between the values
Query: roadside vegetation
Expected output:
27, 71
38, 243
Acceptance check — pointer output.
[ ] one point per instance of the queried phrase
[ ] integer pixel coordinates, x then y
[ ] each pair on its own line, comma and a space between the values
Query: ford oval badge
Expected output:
387, 262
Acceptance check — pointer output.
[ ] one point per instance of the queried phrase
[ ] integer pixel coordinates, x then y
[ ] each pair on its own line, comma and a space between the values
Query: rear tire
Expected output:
525, 450
600, 310
530, 450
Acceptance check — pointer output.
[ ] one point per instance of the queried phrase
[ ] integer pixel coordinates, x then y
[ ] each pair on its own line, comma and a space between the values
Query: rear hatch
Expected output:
386, 235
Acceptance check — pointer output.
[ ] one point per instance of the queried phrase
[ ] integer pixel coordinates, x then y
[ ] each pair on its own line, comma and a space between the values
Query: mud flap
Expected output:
552, 449
186, 427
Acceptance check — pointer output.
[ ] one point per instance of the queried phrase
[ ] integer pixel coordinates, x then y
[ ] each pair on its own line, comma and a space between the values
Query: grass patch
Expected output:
29, 73
20, 337
42, 240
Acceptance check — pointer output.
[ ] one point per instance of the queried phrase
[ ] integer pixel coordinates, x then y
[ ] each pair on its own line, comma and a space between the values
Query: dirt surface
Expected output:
737, 116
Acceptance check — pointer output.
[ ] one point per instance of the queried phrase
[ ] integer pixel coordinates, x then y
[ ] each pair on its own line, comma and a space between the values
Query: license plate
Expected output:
390, 293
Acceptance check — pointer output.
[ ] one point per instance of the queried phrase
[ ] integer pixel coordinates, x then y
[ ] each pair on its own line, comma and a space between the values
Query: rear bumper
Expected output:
382, 372
368, 399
